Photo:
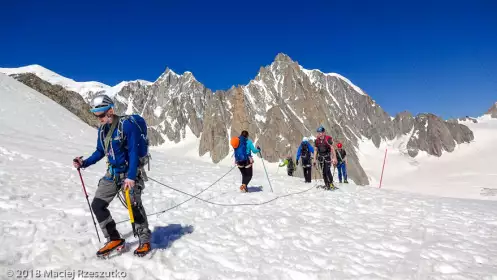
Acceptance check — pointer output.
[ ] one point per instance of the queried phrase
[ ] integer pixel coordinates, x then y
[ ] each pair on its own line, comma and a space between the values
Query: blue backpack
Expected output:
304, 151
139, 121
241, 151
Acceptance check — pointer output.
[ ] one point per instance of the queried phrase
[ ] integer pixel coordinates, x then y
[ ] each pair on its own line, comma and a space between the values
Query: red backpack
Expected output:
324, 145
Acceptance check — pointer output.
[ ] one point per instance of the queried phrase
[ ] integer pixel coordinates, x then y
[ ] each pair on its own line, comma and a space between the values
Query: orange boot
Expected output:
143, 249
110, 246
243, 188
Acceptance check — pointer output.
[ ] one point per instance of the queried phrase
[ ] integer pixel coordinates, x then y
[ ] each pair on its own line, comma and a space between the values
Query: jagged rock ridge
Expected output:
283, 103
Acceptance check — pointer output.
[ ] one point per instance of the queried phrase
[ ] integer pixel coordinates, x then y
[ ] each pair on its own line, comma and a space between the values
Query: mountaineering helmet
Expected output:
101, 103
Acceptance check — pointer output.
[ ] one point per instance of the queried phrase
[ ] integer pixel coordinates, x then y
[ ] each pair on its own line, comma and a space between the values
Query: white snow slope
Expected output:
83, 88
467, 172
351, 233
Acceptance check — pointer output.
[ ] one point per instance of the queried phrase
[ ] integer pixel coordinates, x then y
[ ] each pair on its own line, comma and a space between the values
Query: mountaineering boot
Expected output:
110, 246
143, 249
243, 188
346, 182
340, 182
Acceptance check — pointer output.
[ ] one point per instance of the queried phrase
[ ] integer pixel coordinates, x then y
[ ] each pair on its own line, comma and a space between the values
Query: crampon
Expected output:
112, 248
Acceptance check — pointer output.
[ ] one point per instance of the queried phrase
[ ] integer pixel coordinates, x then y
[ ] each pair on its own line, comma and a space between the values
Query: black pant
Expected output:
325, 165
246, 174
307, 167
307, 174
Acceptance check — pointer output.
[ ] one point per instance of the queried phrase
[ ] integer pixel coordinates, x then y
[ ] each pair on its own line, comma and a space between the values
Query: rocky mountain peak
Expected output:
281, 57
492, 111
169, 77
165, 75
189, 77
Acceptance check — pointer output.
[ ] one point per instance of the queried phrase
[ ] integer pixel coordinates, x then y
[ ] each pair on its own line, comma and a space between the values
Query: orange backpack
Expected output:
235, 142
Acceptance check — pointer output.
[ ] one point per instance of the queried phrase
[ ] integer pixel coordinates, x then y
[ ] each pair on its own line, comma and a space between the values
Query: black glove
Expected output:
258, 148
77, 162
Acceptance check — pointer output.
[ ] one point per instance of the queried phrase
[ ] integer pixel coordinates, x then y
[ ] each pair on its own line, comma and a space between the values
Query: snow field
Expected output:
351, 233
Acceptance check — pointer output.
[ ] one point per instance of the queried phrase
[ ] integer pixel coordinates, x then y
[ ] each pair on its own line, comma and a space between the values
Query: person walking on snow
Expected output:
125, 170
342, 163
290, 167
244, 148
304, 151
325, 154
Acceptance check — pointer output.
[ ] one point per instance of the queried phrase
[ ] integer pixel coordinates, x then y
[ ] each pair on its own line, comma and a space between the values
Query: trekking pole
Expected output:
88, 201
315, 179
318, 172
266, 171
130, 211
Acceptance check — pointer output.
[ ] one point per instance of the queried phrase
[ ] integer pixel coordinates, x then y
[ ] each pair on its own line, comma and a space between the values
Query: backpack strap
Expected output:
120, 129
325, 141
108, 137
134, 121
340, 155
328, 143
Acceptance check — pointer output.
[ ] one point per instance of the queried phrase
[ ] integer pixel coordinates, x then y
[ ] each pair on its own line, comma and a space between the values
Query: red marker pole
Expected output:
383, 168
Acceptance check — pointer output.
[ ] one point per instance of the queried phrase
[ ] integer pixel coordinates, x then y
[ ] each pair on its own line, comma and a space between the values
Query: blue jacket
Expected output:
251, 148
309, 146
120, 158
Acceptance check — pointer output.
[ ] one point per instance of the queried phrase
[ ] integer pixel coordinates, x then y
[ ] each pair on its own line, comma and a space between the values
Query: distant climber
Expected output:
304, 152
244, 148
342, 163
290, 166
325, 154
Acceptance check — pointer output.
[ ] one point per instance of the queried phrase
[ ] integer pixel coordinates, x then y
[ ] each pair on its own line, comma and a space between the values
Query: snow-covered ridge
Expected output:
170, 73
83, 88
112, 91
310, 74
89, 88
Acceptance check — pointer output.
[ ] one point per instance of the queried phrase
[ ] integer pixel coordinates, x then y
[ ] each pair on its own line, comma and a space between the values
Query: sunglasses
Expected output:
101, 115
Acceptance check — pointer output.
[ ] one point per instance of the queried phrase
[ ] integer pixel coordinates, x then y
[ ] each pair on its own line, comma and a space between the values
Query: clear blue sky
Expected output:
426, 56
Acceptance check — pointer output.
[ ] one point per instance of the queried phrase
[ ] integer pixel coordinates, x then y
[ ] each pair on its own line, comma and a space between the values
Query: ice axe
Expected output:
130, 211
87, 200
